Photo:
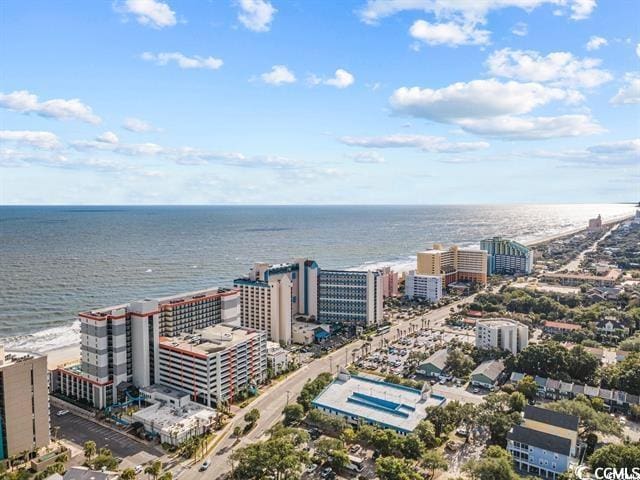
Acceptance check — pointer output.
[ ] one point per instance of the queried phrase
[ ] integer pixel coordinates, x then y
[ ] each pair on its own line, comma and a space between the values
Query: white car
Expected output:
138, 469
62, 413
312, 468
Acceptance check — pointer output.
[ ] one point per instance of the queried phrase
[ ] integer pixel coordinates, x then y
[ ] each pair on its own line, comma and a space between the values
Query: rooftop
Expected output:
550, 417
490, 369
387, 404
499, 322
536, 438
84, 473
209, 340
438, 358
177, 420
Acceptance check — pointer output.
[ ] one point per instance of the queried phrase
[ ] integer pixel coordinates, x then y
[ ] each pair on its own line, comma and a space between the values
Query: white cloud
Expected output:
621, 147
520, 29
467, 10
25, 102
638, 50
151, 13
38, 139
581, 9
596, 42
629, 93
558, 68
478, 98
139, 126
196, 61
603, 155
107, 137
278, 75
532, 128
366, 157
426, 143
256, 15
450, 33
341, 79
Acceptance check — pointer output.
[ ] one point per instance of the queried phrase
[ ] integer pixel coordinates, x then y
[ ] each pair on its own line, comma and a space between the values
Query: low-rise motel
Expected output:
360, 399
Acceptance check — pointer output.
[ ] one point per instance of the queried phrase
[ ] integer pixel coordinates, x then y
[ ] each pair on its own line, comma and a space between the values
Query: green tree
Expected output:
617, 456
90, 449
252, 416
293, 414
128, 474
496, 414
582, 365
166, 476
528, 387
517, 402
427, 434
433, 460
412, 447
591, 420
154, 470
393, 468
333, 451
312, 389
547, 359
495, 464
458, 363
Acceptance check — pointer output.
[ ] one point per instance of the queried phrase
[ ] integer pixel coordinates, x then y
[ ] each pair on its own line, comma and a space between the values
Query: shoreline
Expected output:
71, 353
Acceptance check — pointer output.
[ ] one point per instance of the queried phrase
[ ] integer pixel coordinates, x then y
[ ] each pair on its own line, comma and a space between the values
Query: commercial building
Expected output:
215, 363
84, 473
559, 328
119, 345
375, 402
277, 358
434, 365
24, 403
507, 256
546, 443
350, 298
502, 333
453, 265
172, 416
487, 374
304, 333
272, 295
595, 224
428, 287
609, 279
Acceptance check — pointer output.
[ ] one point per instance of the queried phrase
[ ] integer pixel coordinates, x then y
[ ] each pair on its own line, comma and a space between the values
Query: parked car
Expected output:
61, 413
326, 472
463, 432
138, 469
312, 468
452, 446
476, 390
205, 465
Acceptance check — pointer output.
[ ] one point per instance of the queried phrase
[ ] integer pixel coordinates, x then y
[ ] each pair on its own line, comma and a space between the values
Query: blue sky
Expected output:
319, 102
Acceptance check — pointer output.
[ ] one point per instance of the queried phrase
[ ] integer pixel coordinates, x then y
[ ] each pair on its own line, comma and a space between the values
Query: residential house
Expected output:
487, 374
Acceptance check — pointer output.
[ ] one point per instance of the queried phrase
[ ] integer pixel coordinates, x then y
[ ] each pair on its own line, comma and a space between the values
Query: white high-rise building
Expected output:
502, 333
428, 287
119, 345
351, 298
272, 295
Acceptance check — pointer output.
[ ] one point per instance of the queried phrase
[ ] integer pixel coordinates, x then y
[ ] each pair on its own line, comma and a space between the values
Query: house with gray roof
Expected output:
434, 365
487, 374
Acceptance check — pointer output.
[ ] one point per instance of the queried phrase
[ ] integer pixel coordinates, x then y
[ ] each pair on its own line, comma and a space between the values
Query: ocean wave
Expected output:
45, 340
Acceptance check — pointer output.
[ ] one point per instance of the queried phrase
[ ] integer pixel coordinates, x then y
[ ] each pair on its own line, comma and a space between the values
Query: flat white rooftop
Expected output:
386, 404
168, 419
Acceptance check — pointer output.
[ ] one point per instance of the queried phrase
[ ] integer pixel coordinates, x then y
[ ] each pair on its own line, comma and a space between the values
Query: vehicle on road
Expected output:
205, 465
62, 413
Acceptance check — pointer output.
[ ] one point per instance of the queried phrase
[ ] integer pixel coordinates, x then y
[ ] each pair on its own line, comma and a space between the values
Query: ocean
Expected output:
57, 261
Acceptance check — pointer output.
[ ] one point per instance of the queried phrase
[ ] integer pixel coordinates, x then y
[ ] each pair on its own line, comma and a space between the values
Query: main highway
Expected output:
273, 400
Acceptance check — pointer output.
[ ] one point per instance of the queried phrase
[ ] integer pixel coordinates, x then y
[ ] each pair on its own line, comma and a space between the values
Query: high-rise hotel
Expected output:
454, 265
120, 344
272, 295
507, 256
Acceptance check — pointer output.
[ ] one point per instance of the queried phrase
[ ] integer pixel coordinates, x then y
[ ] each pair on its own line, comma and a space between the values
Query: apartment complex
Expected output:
350, 298
389, 282
271, 295
428, 287
453, 265
119, 344
502, 333
24, 403
214, 363
546, 443
507, 256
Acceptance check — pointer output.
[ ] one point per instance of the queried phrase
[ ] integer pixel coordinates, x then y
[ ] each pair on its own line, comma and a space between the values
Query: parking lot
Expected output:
78, 430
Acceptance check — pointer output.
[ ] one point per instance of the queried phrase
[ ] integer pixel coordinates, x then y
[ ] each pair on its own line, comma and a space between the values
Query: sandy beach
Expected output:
62, 356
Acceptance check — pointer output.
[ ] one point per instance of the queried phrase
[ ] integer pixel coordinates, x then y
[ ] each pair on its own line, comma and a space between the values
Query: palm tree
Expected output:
154, 469
89, 449
166, 476
128, 474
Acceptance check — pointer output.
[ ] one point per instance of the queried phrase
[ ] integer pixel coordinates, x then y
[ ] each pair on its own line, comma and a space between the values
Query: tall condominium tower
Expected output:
507, 256
351, 298
455, 264
271, 296
24, 403
119, 345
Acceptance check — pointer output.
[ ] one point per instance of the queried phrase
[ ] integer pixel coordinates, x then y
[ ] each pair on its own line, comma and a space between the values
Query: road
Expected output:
574, 265
78, 430
272, 401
